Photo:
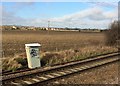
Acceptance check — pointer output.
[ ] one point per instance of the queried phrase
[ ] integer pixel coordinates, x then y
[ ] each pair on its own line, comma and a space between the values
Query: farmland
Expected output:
14, 41
57, 46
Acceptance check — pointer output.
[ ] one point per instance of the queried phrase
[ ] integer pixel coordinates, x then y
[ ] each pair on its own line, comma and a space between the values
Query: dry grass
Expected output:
57, 47
13, 41
51, 58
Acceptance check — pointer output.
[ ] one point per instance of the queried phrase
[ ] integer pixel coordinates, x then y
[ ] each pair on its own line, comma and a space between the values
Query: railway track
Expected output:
41, 75
24, 69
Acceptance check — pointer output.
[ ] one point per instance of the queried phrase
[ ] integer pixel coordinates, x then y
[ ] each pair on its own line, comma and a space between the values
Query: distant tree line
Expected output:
14, 27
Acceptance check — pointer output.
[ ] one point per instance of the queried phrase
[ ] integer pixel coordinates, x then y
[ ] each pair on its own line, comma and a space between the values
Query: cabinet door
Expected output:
35, 59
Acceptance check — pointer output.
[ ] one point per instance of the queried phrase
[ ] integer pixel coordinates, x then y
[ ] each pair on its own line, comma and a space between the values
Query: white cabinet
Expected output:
33, 55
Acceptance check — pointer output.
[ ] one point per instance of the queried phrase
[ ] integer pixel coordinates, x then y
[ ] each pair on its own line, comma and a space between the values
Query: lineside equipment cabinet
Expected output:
33, 55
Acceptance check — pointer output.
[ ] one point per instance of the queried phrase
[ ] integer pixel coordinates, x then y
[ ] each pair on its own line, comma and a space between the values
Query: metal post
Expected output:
48, 26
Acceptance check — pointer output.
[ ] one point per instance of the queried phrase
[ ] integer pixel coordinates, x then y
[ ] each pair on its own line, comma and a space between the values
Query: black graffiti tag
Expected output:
33, 53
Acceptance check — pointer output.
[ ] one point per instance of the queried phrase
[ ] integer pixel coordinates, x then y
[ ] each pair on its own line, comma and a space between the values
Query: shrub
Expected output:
50, 58
112, 34
22, 61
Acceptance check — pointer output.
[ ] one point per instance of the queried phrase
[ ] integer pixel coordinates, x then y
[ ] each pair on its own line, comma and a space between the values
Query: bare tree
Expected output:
112, 35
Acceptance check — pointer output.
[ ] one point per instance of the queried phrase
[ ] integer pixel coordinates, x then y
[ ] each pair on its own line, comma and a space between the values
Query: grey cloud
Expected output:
92, 14
10, 18
105, 4
92, 17
21, 5
96, 17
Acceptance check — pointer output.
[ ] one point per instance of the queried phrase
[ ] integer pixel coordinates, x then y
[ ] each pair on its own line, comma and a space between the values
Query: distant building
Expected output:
14, 27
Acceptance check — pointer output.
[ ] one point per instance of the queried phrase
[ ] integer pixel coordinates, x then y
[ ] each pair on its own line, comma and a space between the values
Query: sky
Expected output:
60, 14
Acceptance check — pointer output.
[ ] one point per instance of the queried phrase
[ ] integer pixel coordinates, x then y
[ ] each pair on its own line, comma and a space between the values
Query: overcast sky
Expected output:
60, 14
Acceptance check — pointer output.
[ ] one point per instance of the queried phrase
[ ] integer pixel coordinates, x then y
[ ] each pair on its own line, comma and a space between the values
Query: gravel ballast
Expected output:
107, 74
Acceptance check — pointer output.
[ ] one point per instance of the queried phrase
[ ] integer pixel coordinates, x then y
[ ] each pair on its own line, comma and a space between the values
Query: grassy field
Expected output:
57, 47
14, 41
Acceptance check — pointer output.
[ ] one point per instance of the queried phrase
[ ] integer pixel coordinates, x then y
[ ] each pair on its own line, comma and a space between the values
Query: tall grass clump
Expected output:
19, 61
52, 58
112, 34
14, 63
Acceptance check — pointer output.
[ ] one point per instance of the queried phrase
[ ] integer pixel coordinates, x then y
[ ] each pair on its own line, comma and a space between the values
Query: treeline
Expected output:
12, 27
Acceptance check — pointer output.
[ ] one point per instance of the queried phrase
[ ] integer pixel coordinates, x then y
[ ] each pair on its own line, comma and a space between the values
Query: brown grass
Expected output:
51, 58
14, 41
57, 47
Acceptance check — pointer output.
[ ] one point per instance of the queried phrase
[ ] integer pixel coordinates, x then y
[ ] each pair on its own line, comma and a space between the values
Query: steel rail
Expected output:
24, 69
